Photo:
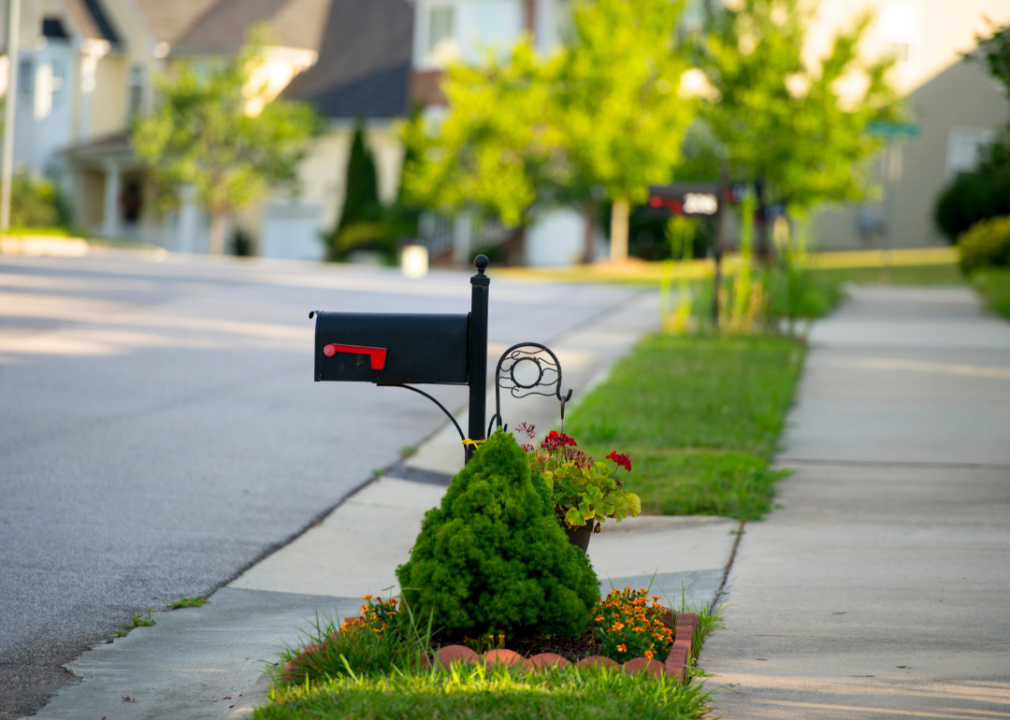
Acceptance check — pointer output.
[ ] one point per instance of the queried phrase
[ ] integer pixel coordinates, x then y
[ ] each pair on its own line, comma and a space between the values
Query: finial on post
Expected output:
481, 262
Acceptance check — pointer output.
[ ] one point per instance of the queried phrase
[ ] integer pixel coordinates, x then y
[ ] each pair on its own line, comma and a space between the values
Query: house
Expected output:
87, 66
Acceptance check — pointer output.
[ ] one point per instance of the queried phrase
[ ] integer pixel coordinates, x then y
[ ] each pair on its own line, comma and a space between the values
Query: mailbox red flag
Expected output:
376, 356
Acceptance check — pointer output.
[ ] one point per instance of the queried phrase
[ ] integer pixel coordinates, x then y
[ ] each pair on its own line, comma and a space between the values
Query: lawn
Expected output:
994, 286
900, 275
477, 692
700, 418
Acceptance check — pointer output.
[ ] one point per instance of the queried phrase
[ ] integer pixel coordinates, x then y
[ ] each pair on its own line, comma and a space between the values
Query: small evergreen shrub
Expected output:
493, 557
37, 203
986, 244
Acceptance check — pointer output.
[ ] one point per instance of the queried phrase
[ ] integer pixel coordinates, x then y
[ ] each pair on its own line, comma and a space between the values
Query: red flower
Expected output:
621, 459
555, 440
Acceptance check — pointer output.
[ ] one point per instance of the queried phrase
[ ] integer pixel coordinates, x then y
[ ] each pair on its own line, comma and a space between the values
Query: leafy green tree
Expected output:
218, 131
618, 110
498, 148
784, 121
602, 112
994, 52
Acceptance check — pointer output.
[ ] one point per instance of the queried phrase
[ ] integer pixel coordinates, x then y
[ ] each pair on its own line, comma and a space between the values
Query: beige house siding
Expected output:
108, 102
90, 194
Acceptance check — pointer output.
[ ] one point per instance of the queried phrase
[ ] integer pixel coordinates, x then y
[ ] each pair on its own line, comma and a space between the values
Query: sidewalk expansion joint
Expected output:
740, 531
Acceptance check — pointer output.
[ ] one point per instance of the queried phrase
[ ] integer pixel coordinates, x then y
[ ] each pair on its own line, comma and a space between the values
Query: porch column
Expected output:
110, 216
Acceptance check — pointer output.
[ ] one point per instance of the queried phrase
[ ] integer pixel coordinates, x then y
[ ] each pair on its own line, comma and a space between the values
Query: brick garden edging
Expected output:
683, 624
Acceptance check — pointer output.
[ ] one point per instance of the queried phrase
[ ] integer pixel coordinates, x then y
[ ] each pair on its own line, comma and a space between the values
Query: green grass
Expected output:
138, 621
477, 692
994, 286
700, 418
38, 231
902, 275
188, 603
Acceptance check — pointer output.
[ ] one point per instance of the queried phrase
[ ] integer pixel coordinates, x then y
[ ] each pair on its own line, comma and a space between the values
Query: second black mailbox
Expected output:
393, 348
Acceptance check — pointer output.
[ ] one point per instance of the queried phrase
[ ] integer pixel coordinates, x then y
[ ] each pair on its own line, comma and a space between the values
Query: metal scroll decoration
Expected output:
539, 373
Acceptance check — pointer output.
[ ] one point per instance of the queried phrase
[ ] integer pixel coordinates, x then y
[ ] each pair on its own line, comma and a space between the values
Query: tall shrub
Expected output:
361, 218
492, 558
973, 197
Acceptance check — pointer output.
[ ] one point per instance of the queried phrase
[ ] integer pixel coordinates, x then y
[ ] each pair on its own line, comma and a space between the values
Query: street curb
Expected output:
253, 698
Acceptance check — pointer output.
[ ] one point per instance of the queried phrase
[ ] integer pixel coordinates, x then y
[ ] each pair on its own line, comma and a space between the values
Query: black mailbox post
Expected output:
394, 349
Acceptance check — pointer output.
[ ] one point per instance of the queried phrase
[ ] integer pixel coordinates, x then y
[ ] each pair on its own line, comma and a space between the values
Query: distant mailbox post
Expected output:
401, 349
692, 199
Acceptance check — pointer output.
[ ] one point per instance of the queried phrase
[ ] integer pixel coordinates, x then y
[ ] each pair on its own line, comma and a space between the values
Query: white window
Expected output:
59, 81
26, 81
963, 147
137, 80
43, 104
900, 24
440, 27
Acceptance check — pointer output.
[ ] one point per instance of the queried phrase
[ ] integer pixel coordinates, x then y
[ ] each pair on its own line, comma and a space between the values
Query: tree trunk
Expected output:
589, 213
217, 233
619, 231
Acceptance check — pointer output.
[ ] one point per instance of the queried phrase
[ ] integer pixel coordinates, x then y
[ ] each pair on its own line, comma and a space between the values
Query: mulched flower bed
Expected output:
537, 652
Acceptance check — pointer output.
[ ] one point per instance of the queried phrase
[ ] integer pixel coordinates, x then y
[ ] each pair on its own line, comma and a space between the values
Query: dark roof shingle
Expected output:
364, 62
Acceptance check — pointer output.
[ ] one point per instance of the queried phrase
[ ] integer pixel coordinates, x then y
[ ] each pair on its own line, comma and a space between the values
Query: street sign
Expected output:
893, 130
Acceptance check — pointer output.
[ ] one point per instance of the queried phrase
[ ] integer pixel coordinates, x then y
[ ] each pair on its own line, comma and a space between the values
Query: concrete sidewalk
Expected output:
882, 588
209, 663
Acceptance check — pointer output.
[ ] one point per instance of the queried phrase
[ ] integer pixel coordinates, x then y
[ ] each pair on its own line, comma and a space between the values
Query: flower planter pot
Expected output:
579, 537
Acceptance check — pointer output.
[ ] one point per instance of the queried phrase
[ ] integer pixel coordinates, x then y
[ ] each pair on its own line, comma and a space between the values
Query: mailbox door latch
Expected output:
376, 356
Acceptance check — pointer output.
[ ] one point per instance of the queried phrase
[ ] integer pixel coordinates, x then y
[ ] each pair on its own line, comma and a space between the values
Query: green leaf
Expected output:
574, 518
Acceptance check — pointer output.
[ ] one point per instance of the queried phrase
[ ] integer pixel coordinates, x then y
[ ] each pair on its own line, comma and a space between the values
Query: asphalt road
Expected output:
160, 429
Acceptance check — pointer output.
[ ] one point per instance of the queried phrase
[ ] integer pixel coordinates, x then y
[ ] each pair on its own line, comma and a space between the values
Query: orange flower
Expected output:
599, 618
622, 648
649, 654
618, 626
366, 597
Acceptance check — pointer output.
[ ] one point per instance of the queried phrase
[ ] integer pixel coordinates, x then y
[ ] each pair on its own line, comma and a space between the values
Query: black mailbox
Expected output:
393, 348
